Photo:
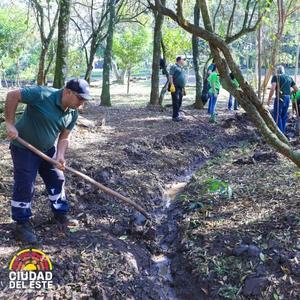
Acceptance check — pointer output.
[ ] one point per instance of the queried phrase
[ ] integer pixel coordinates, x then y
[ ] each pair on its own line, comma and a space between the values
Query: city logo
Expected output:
30, 269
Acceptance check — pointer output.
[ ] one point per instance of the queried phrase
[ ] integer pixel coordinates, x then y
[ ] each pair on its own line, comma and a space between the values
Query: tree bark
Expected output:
157, 36
196, 53
105, 94
297, 61
90, 63
50, 61
259, 36
165, 71
62, 44
119, 74
128, 80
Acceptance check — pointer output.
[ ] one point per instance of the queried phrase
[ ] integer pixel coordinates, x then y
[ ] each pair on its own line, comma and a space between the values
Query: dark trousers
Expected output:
232, 102
177, 101
280, 112
26, 166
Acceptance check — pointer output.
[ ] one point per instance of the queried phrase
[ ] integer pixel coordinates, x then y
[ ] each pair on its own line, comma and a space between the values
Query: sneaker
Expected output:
213, 118
177, 119
24, 232
65, 220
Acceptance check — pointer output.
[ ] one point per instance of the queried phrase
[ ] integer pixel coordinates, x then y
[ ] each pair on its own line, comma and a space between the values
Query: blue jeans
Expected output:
26, 166
232, 102
212, 103
280, 111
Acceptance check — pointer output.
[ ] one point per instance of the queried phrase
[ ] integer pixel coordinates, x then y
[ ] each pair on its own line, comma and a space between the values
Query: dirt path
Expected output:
142, 154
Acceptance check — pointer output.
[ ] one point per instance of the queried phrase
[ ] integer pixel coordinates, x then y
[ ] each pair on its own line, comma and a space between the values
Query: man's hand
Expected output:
12, 131
61, 163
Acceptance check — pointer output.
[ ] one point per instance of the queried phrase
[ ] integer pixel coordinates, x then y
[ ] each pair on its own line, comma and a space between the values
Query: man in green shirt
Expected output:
50, 115
213, 92
177, 83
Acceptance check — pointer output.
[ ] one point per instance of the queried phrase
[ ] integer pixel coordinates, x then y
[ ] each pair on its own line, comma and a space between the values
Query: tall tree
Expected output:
284, 10
130, 48
195, 42
156, 56
47, 25
92, 28
105, 94
62, 44
246, 96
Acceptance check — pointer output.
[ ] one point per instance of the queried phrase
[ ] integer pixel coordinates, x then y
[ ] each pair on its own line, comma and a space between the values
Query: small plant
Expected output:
228, 292
216, 186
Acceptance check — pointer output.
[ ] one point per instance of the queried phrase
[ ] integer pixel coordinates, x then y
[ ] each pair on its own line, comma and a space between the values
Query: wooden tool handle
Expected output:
86, 177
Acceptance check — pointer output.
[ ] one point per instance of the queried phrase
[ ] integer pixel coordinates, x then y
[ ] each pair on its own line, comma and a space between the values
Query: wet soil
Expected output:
143, 155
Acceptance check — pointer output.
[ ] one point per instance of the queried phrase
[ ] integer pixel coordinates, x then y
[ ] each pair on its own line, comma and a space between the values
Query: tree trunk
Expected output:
297, 61
154, 97
164, 71
119, 74
50, 58
259, 61
128, 80
62, 44
89, 68
18, 72
105, 94
40, 76
195, 42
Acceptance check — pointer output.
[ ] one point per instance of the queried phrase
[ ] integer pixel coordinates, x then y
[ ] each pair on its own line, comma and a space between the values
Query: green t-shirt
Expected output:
43, 118
178, 74
214, 80
296, 96
285, 83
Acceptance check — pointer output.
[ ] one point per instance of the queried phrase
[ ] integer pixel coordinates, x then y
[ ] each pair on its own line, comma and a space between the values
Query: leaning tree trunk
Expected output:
62, 44
105, 94
157, 36
196, 52
89, 68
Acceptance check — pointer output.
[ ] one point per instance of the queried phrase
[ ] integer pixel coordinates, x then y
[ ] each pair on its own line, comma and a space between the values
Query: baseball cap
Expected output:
81, 87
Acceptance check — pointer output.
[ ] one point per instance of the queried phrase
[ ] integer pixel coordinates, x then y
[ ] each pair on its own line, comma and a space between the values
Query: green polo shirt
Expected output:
43, 118
178, 74
285, 83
